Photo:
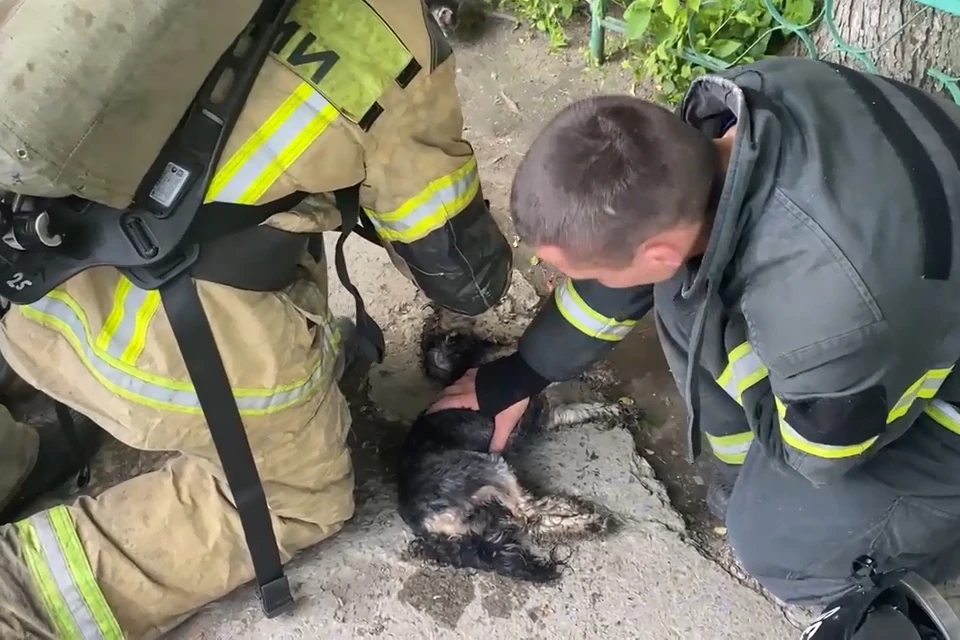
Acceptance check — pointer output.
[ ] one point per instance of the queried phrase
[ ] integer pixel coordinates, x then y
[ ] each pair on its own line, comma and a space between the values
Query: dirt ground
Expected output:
668, 574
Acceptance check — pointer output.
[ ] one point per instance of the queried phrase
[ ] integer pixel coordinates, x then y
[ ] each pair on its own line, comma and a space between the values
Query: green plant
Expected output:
674, 38
547, 16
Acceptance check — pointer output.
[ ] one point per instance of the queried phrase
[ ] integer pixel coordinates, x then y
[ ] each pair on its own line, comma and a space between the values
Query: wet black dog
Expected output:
465, 505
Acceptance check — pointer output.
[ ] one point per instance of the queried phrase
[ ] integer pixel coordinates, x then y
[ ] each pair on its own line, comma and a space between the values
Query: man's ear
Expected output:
661, 253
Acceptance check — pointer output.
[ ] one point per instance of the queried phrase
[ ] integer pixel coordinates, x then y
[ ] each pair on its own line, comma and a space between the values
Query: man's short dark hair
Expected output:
606, 174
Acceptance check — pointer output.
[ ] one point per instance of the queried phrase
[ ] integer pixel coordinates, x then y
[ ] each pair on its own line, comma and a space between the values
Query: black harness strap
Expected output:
202, 358
69, 429
365, 230
348, 202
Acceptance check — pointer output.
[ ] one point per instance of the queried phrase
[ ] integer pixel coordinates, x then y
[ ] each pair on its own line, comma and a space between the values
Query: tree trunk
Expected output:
930, 41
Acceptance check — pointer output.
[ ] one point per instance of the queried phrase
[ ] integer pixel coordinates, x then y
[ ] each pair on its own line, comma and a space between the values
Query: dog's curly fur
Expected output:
465, 505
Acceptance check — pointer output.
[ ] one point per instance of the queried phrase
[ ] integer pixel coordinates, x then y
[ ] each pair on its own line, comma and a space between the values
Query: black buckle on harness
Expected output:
275, 597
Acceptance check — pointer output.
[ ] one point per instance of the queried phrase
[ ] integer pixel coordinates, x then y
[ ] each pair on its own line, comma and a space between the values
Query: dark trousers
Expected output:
800, 541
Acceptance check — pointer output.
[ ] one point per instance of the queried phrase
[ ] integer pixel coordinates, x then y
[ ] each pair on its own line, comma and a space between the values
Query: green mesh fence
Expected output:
600, 23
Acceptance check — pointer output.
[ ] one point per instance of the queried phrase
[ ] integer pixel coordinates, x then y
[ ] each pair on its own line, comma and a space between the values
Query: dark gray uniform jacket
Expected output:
828, 300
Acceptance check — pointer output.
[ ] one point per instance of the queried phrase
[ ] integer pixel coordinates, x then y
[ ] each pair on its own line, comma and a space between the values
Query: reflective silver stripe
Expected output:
121, 338
732, 448
60, 570
276, 149
167, 397
945, 414
578, 313
743, 370
925, 387
432, 208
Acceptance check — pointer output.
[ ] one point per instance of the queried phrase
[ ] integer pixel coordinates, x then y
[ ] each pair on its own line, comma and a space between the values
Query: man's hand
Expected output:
462, 394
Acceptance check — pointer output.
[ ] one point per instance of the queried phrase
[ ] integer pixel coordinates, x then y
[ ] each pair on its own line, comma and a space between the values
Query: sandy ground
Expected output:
667, 574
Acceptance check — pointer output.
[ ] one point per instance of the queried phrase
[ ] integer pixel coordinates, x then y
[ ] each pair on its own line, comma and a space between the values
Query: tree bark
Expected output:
930, 41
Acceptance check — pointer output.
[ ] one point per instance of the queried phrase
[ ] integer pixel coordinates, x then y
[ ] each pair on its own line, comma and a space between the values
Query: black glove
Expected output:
506, 381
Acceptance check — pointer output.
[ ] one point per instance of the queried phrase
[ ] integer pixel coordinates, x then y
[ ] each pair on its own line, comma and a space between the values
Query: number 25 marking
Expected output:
18, 282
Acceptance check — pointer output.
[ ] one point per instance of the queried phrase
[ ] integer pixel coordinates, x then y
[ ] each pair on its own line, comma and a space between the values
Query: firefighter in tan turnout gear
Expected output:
352, 93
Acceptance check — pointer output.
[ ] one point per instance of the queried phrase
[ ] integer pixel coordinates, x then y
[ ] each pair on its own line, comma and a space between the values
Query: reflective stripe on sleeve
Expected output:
431, 209
61, 313
596, 325
944, 414
926, 387
733, 448
63, 577
802, 444
273, 148
744, 369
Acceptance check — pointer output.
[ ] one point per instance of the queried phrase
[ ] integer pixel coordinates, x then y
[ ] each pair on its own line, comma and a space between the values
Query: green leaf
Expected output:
799, 11
673, 33
669, 86
694, 5
725, 48
637, 18
670, 7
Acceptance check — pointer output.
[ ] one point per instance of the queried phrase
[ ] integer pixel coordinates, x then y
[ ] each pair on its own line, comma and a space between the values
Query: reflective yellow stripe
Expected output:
832, 452
116, 314
430, 209
143, 318
273, 148
64, 578
596, 325
60, 312
944, 414
45, 584
733, 448
124, 333
926, 387
744, 369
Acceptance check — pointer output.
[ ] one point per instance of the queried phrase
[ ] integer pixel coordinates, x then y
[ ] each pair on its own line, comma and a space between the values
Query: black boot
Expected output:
720, 489
65, 450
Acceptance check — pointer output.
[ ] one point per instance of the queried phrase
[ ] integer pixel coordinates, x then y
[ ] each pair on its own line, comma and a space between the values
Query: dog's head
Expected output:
450, 346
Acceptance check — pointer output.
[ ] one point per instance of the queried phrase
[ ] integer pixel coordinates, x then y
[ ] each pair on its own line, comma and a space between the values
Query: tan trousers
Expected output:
136, 559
